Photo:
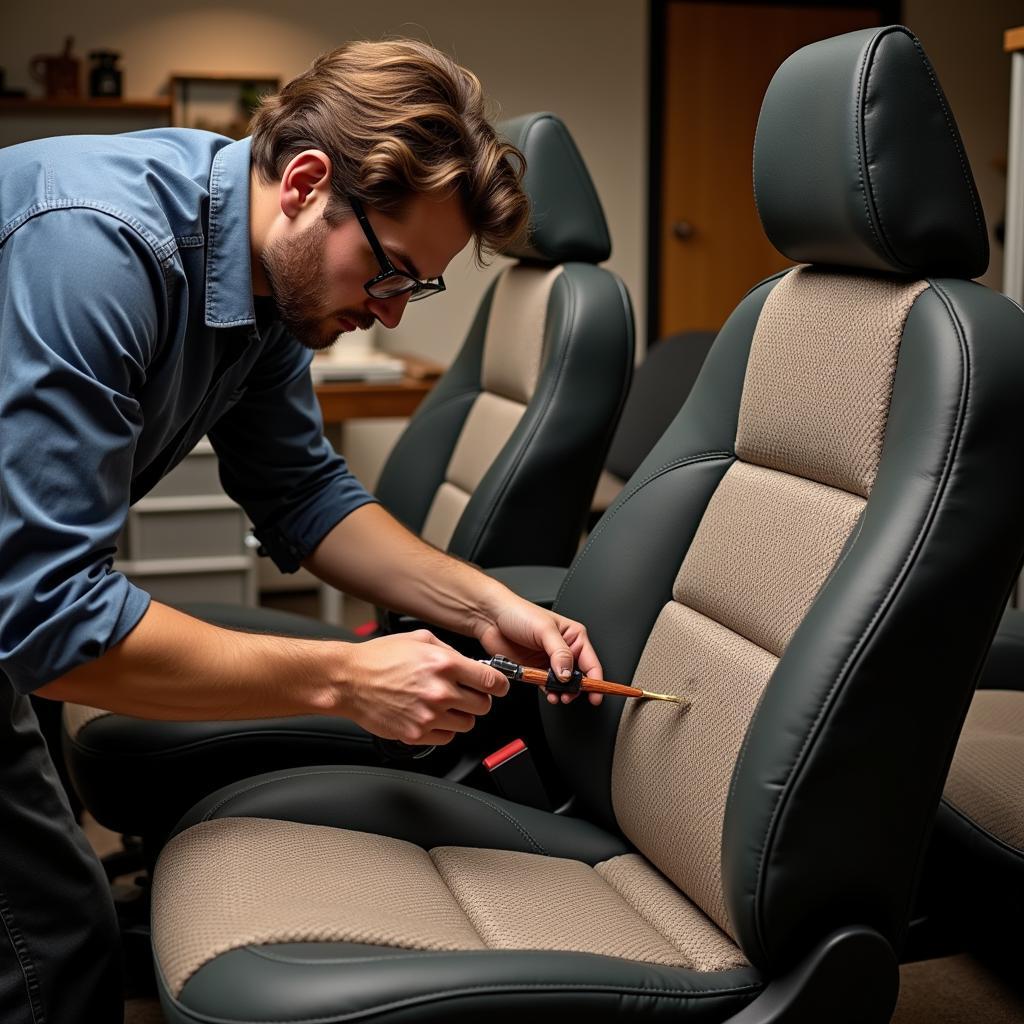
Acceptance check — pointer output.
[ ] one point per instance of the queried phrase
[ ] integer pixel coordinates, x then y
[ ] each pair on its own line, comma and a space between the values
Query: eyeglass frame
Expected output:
418, 289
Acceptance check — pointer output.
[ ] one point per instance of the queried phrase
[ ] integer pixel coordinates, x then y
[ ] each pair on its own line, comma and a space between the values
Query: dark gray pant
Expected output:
60, 951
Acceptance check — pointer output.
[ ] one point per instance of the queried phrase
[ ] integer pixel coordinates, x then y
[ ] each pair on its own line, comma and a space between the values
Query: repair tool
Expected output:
574, 684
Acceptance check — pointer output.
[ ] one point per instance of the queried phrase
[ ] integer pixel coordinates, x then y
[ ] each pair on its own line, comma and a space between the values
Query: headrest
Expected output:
858, 161
566, 219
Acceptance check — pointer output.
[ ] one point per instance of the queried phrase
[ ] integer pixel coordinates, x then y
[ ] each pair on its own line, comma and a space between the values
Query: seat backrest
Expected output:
499, 462
817, 551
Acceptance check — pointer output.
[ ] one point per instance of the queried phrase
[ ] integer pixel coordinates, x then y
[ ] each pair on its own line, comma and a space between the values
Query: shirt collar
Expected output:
228, 269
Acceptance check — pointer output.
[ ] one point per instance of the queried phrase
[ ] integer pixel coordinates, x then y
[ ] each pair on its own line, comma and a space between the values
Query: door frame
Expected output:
890, 12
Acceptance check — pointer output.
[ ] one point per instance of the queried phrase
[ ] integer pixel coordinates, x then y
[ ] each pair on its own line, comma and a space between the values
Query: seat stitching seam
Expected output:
412, 780
897, 582
406, 953
743, 747
453, 397
455, 899
957, 142
291, 733
691, 965
860, 145
421, 954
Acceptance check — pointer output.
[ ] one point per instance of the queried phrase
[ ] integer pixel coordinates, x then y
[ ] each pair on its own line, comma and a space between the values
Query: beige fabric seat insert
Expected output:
986, 779
235, 882
513, 347
78, 716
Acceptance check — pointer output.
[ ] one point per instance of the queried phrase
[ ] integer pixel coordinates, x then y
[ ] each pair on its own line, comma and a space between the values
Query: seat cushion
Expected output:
233, 894
975, 867
986, 780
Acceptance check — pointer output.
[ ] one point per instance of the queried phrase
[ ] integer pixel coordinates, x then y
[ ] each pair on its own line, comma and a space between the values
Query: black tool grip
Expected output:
571, 685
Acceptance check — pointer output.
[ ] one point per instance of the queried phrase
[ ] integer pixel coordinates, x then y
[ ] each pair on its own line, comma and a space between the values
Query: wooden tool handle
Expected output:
539, 677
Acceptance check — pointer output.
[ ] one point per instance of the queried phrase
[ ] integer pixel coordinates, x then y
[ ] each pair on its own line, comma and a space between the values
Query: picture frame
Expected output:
218, 102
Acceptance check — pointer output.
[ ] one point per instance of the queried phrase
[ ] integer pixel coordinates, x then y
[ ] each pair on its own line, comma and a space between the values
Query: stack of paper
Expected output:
339, 364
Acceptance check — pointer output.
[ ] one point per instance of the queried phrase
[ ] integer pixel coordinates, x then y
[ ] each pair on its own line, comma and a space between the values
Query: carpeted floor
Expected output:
143, 1011
956, 990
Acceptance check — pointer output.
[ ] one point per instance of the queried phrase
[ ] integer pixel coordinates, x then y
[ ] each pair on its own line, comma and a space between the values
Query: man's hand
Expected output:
415, 688
371, 555
534, 636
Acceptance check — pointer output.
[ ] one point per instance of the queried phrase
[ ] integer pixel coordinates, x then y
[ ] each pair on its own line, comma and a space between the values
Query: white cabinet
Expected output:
186, 540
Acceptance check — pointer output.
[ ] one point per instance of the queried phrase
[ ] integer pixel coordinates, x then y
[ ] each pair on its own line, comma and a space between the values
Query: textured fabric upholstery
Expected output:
515, 331
446, 510
488, 427
671, 768
986, 779
820, 374
764, 547
235, 882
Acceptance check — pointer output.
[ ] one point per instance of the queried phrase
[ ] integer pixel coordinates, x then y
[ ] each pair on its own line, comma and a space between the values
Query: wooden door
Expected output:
719, 59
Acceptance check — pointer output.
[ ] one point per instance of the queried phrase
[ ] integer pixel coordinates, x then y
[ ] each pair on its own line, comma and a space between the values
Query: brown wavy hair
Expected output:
397, 118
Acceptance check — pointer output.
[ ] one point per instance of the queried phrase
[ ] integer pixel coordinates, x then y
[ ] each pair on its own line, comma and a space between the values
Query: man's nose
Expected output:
389, 311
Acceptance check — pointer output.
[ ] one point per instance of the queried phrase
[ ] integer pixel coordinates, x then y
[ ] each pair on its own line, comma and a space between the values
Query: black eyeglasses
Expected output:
391, 281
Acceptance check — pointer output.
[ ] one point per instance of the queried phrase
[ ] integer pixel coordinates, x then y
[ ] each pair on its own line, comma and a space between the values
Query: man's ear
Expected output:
305, 182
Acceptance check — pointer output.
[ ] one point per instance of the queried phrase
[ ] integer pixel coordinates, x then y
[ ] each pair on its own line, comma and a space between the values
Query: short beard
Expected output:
294, 268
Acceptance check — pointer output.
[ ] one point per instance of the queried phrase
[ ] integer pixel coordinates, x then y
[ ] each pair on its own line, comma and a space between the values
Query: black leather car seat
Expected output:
775, 561
497, 466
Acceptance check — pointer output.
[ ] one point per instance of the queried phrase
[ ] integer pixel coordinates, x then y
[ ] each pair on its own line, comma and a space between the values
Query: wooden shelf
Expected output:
223, 76
159, 105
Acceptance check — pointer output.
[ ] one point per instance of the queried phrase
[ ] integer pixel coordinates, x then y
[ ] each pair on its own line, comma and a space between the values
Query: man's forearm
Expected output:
371, 555
410, 687
175, 667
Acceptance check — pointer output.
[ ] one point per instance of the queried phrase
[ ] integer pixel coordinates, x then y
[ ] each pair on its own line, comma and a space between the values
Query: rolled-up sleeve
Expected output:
80, 308
275, 461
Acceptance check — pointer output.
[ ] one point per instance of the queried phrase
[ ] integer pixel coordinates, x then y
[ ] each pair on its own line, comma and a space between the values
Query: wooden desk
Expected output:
354, 400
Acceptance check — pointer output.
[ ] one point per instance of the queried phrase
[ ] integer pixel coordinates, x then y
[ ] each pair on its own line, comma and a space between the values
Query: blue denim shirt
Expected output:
127, 332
